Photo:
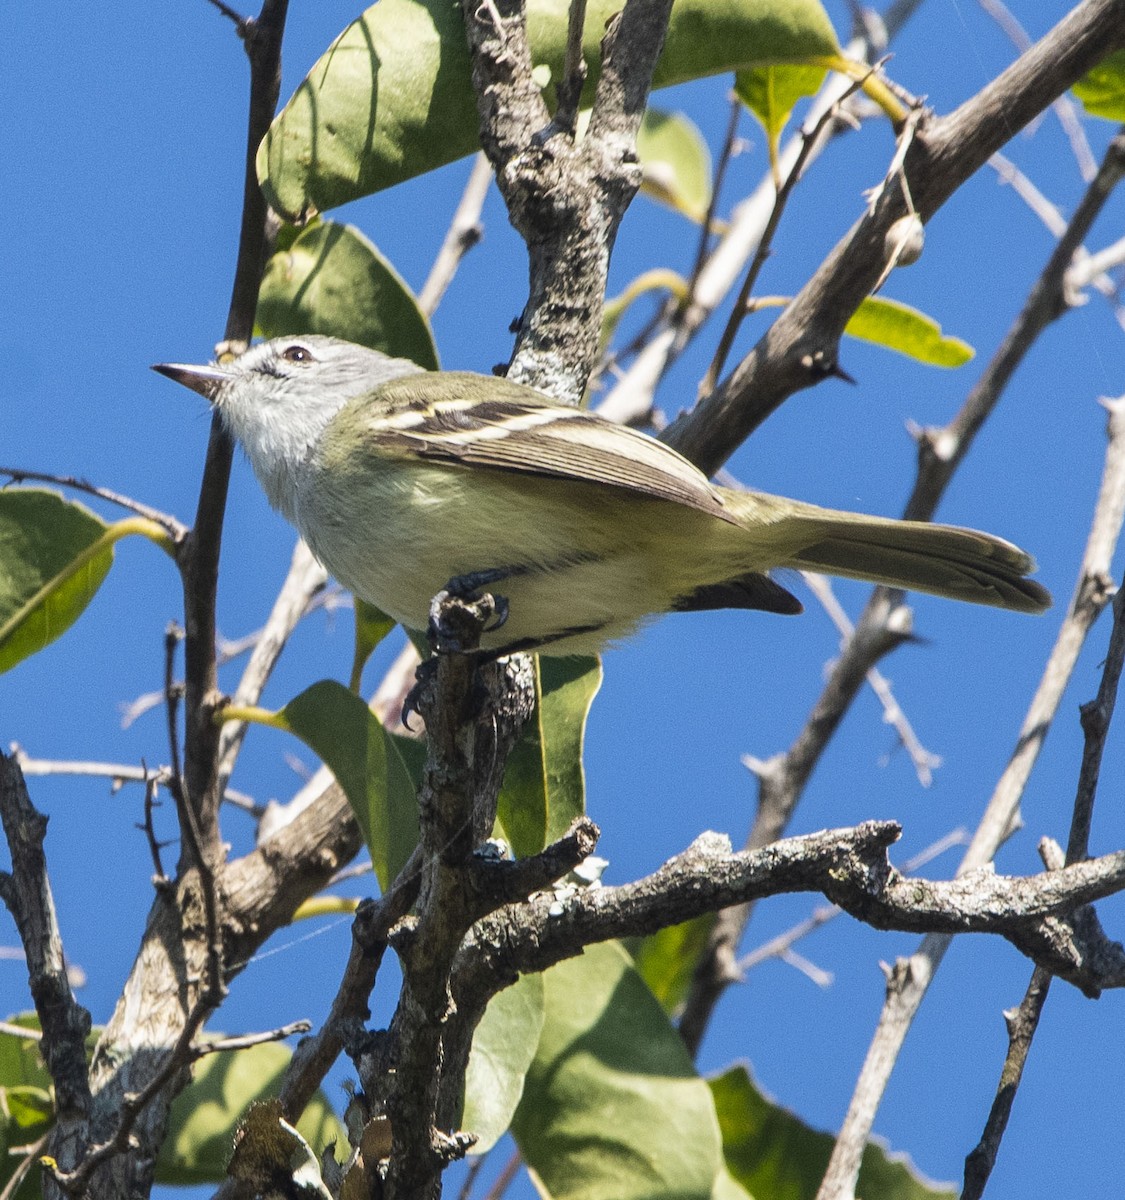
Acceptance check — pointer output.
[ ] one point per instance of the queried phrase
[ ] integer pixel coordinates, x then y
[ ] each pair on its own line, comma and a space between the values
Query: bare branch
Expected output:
305, 578
246, 1040
940, 453
463, 234
175, 529
373, 922
782, 945
564, 197
1023, 1022
26, 893
850, 867
1063, 107
925, 761
801, 347
909, 981
809, 139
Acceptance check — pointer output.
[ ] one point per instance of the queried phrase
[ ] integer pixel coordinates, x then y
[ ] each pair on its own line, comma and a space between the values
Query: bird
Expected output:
405, 481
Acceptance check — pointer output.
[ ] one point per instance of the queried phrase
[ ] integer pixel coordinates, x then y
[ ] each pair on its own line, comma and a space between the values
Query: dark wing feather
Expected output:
495, 423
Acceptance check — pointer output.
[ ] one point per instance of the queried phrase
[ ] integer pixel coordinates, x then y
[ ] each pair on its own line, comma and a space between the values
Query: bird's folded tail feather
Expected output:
961, 564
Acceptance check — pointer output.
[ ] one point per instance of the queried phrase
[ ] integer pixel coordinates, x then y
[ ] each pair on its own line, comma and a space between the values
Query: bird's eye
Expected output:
297, 354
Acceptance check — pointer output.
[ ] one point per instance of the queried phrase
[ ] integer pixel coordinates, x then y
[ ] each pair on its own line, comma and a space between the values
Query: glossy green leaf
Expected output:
773, 1153
675, 162
20, 1061
771, 92
544, 782
1102, 90
368, 765
371, 627
331, 279
207, 1112
54, 555
612, 1106
899, 327
666, 959
26, 1104
391, 98
504, 1046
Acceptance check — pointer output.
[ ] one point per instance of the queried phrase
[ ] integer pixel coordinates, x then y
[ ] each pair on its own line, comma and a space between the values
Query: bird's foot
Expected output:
461, 613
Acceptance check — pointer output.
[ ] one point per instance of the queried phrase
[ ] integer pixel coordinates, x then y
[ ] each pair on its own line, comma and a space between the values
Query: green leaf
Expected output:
504, 1046
612, 1106
1102, 90
676, 163
771, 93
54, 555
371, 627
771, 1152
666, 959
899, 327
21, 1064
207, 1112
27, 1107
368, 765
544, 783
391, 98
331, 279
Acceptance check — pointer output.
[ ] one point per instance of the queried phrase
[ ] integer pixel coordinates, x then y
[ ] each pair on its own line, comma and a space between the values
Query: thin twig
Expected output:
30, 1158
20, 1031
119, 773
175, 529
726, 153
246, 1040
809, 139
633, 395
1063, 107
1022, 1024
475, 1165
173, 693
154, 845
228, 649
464, 232
569, 91
304, 580
505, 1178
925, 761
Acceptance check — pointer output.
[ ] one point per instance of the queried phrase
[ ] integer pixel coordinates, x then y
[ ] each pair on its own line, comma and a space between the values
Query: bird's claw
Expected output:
461, 613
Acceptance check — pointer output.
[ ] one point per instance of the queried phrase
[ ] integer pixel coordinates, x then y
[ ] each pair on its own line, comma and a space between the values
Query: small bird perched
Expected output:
402, 480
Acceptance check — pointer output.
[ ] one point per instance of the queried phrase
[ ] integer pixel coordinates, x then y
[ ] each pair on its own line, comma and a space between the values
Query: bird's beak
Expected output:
205, 380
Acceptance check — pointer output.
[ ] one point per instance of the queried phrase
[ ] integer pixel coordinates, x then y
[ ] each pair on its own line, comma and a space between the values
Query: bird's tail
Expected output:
961, 564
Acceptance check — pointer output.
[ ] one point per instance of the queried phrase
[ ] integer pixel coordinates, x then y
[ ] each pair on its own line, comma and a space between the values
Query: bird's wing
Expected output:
487, 422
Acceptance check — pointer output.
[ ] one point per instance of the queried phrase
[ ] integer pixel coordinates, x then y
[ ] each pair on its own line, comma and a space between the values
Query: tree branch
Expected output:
26, 892
566, 198
850, 867
909, 981
783, 777
801, 347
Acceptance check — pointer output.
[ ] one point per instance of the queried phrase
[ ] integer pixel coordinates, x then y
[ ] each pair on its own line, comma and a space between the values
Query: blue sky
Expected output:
123, 133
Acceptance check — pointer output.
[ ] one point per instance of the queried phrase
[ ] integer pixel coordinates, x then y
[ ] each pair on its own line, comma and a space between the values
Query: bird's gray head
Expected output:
277, 397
